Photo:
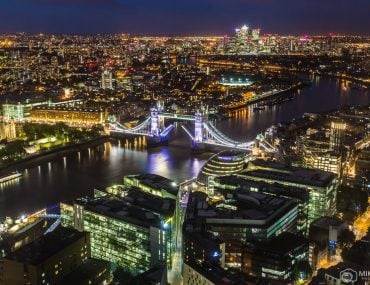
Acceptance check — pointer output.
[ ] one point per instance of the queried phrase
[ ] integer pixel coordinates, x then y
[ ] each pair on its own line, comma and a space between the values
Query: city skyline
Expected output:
184, 142
192, 17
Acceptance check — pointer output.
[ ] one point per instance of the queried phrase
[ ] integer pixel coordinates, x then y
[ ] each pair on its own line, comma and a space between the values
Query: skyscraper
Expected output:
106, 80
255, 34
242, 40
337, 133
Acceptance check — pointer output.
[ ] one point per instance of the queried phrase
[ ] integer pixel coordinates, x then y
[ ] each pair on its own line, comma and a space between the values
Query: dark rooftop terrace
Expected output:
46, 246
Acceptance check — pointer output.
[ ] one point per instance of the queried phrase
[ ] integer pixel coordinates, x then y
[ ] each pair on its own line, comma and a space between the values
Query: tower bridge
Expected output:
205, 132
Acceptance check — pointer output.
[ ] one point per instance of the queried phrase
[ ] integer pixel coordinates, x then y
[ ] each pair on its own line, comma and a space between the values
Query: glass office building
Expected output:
19, 111
300, 195
224, 163
130, 236
321, 185
241, 217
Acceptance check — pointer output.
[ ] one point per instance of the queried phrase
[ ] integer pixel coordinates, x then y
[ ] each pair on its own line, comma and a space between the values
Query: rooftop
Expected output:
335, 270
262, 169
252, 185
121, 209
157, 182
141, 199
203, 239
231, 154
241, 207
284, 243
153, 276
213, 273
326, 222
46, 246
90, 269
223, 163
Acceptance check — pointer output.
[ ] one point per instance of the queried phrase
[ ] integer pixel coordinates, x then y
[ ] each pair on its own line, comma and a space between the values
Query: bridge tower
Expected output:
160, 108
156, 120
199, 131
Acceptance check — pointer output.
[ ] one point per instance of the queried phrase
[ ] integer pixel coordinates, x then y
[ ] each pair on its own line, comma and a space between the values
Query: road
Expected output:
175, 273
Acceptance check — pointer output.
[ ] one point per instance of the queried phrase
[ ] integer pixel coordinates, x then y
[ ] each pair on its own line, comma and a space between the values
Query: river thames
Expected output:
77, 174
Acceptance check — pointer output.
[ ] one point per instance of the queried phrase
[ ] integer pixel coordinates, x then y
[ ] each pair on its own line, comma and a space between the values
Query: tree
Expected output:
12, 150
15, 147
96, 130
351, 202
77, 135
346, 238
61, 130
30, 131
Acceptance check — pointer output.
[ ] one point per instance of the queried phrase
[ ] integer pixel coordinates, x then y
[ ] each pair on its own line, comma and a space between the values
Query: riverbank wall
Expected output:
47, 155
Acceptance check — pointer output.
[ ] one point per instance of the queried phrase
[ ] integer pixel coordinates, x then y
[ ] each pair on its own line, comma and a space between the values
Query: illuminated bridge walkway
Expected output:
204, 131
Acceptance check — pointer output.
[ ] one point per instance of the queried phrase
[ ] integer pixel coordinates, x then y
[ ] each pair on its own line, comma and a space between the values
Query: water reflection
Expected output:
9, 183
324, 94
77, 174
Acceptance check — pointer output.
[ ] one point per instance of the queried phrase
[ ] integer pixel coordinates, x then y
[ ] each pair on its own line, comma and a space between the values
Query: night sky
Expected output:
185, 17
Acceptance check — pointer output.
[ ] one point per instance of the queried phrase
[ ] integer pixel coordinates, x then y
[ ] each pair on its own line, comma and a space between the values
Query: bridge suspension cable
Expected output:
222, 138
141, 126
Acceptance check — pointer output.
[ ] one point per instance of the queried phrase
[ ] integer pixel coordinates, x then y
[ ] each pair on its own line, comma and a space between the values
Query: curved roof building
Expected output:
223, 163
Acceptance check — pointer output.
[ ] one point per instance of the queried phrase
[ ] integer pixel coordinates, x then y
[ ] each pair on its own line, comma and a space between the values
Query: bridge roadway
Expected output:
204, 133
177, 116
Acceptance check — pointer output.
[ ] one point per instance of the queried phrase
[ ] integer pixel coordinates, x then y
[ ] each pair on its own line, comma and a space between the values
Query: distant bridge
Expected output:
204, 131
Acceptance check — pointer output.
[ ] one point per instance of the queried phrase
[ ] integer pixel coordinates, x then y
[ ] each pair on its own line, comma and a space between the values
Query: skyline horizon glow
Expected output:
192, 17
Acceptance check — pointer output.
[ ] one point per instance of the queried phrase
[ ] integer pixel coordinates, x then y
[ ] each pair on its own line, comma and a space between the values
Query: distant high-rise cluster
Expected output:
250, 41
106, 79
244, 41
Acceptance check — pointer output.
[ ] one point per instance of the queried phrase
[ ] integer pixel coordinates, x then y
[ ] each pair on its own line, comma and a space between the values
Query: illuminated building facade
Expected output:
256, 34
126, 234
337, 133
203, 247
8, 131
19, 111
224, 163
314, 150
242, 40
73, 116
197, 273
275, 259
326, 161
322, 186
362, 168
